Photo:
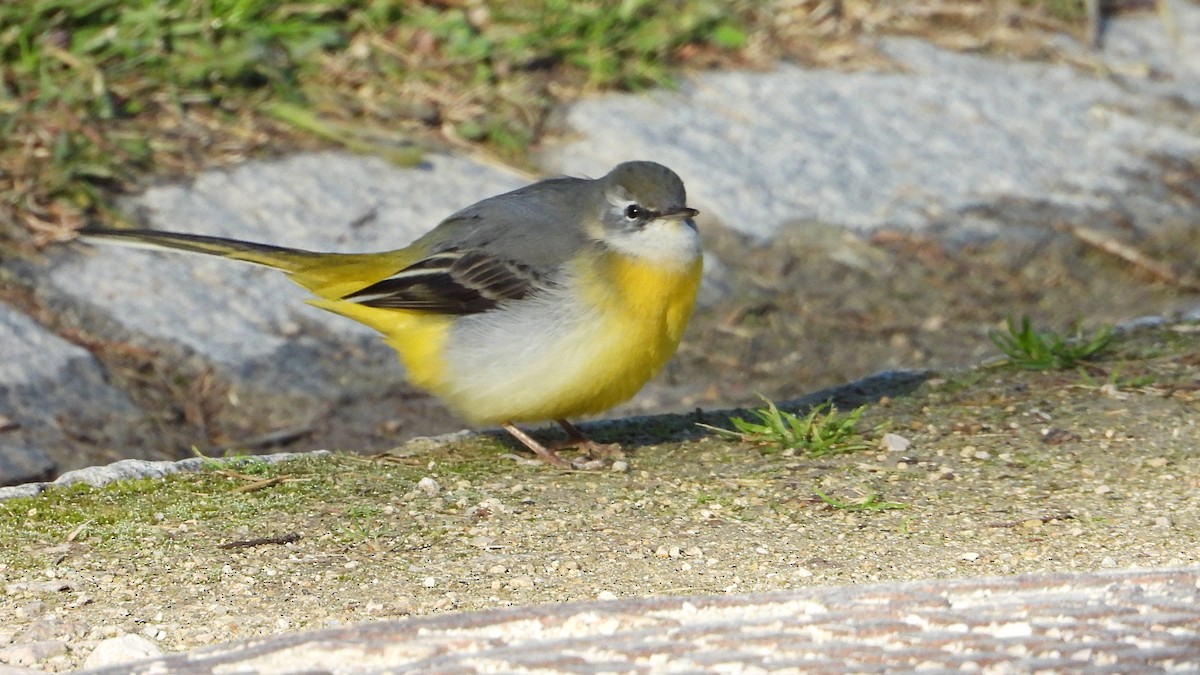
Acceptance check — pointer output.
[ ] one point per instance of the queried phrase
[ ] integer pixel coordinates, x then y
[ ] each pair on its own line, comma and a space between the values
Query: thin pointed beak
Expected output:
682, 213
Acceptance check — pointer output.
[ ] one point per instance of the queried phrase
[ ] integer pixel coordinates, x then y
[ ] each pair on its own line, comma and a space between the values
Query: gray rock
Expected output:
133, 469
20, 463
951, 135
46, 382
121, 649
23, 490
129, 469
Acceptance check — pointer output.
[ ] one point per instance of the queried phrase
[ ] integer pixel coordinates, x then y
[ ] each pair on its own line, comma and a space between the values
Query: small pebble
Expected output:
895, 442
606, 595
429, 486
620, 466
429, 582
1108, 562
970, 556
1013, 630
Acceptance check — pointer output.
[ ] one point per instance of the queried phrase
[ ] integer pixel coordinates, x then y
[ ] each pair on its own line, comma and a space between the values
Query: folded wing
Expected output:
451, 282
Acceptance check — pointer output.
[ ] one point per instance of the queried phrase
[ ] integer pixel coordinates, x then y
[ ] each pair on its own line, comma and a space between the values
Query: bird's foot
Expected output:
545, 454
593, 455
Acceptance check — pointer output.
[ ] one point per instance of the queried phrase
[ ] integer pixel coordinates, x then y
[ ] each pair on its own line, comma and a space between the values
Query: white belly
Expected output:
527, 361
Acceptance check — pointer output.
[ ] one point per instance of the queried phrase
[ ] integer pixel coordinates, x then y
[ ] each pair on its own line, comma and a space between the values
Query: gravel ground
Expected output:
1005, 471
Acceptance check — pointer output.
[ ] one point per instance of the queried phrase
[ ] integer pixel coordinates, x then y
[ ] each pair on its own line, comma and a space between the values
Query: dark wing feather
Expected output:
451, 282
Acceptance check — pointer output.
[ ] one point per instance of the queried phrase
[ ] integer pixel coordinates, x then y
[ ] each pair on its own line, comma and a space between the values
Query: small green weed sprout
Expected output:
1118, 382
823, 431
1045, 350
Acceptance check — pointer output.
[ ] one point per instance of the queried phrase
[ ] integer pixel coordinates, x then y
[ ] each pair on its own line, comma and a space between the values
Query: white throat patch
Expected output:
663, 241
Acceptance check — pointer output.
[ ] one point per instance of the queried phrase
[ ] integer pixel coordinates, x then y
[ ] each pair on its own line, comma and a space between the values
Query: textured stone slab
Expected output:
952, 133
22, 463
1141, 620
134, 469
45, 382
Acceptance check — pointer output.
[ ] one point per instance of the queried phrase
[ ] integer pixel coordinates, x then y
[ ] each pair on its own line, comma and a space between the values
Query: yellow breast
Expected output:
646, 307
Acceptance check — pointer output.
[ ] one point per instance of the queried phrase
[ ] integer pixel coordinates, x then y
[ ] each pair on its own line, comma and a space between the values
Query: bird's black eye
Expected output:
634, 212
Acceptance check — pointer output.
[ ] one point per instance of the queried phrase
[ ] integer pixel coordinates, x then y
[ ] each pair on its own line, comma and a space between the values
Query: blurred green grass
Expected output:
98, 92
96, 95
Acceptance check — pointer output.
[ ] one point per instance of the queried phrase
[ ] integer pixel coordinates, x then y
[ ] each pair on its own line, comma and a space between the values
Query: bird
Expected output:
556, 300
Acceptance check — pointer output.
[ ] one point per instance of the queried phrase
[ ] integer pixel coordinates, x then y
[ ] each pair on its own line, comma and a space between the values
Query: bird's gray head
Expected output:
644, 213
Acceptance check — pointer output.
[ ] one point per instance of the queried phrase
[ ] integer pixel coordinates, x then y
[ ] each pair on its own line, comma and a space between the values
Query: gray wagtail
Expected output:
562, 298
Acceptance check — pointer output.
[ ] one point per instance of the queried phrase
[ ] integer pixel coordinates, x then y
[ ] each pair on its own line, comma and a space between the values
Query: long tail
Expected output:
278, 257
328, 275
